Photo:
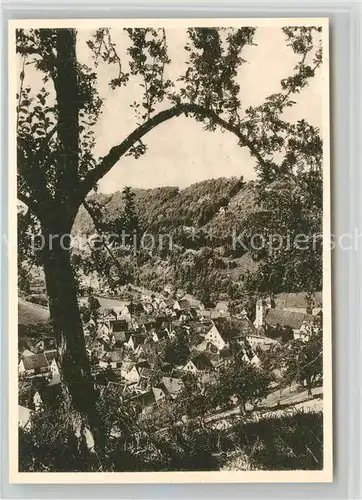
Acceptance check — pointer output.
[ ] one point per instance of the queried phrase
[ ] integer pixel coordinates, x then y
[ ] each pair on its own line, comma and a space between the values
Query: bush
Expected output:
50, 445
38, 299
289, 442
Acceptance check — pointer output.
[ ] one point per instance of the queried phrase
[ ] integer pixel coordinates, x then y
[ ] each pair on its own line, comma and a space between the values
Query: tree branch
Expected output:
117, 152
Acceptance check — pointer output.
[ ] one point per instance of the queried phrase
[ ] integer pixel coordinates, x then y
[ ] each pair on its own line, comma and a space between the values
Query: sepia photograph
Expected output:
170, 295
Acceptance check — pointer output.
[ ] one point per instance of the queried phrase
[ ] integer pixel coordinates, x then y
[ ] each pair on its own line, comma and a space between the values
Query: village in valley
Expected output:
144, 344
171, 256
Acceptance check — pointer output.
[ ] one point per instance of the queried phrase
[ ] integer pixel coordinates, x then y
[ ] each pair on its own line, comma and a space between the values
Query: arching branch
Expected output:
117, 152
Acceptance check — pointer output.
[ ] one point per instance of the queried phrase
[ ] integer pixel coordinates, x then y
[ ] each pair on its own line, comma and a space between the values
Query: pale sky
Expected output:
180, 152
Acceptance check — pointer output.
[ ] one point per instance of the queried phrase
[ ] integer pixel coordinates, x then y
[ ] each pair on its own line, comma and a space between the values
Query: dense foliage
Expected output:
289, 442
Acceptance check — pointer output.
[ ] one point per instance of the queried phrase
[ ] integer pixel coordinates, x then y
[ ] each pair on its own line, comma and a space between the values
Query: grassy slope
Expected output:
31, 314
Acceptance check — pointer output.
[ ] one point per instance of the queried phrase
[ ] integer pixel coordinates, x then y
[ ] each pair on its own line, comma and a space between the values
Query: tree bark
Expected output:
68, 100
57, 217
78, 386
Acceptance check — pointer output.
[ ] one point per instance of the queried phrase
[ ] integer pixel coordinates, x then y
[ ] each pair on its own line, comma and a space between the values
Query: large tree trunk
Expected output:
78, 387
57, 222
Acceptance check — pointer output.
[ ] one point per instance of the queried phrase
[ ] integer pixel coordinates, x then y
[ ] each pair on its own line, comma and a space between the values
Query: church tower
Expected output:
260, 312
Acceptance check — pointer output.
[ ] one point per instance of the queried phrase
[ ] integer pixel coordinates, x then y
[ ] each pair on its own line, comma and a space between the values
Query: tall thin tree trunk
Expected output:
309, 386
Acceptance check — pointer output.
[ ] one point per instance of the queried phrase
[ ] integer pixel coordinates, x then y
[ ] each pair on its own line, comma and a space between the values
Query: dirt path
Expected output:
290, 401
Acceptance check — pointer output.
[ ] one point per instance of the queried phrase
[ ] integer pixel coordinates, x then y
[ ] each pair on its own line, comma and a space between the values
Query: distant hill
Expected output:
214, 209
215, 204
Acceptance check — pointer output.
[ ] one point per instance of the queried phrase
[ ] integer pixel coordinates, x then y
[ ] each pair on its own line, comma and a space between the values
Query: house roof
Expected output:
158, 393
146, 398
99, 342
119, 337
192, 300
35, 361
233, 328
184, 304
161, 334
292, 319
201, 361
113, 356
127, 365
172, 385
50, 355
255, 360
219, 314
116, 356
138, 339
109, 312
54, 381
222, 305
119, 325
26, 352
115, 385
23, 415
145, 372
202, 346
266, 340
214, 358
265, 347
143, 363
100, 333
50, 394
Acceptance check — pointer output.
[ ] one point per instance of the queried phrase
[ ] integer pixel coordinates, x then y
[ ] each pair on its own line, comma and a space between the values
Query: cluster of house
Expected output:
128, 340
40, 369
125, 344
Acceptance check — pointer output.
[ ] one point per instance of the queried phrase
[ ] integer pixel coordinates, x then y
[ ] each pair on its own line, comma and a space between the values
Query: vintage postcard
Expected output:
169, 249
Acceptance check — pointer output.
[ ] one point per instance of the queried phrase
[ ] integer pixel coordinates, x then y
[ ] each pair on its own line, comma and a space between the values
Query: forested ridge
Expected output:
241, 236
167, 208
